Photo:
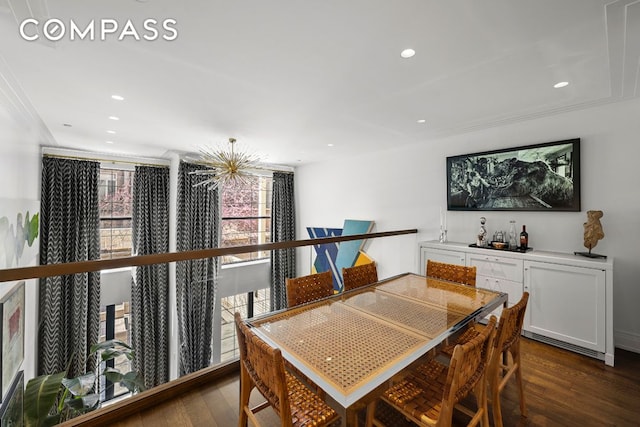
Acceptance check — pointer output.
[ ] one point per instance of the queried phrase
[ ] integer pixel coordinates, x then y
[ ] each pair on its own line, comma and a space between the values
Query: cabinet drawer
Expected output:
514, 289
497, 267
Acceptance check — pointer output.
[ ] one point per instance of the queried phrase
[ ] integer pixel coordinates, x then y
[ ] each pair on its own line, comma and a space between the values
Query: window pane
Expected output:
246, 213
115, 207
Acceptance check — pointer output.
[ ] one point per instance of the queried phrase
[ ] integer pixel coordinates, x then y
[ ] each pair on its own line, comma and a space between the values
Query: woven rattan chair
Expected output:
359, 275
301, 290
262, 367
429, 394
452, 272
500, 368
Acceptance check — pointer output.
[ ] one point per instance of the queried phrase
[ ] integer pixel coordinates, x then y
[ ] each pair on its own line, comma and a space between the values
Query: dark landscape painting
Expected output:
537, 177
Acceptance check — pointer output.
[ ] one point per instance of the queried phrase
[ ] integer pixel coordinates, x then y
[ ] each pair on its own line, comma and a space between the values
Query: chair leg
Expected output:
371, 412
481, 398
245, 394
495, 402
516, 359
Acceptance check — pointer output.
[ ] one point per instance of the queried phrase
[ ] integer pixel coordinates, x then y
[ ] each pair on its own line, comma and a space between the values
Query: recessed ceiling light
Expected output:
407, 53
560, 84
117, 97
329, 145
114, 118
109, 142
111, 131
422, 121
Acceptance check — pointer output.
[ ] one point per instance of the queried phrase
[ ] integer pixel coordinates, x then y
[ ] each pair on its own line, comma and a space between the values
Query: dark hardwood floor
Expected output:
561, 389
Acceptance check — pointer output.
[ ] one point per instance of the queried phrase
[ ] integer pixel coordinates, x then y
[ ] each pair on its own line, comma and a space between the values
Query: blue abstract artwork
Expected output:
334, 256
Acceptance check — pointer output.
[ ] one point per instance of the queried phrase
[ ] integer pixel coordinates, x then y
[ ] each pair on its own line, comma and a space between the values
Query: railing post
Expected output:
110, 334
250, 305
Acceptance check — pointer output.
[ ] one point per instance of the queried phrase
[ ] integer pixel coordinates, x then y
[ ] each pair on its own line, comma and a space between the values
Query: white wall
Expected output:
405, 187
20, 178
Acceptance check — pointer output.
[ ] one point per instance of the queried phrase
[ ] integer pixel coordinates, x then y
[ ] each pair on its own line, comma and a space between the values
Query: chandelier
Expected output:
225, 167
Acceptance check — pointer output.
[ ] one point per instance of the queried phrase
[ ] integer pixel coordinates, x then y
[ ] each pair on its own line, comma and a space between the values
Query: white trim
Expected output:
627, 341
103, 158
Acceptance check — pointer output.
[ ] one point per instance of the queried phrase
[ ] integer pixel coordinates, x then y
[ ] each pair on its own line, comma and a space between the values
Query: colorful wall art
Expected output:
19, 230
335, 256
12, 335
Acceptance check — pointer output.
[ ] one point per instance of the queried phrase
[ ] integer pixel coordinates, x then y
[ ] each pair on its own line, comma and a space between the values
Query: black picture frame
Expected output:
538, 177
12, 409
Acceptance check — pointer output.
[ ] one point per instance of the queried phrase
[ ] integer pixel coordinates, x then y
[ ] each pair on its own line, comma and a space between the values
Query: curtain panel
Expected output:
69, 306
283, 228
198, 227
150, 283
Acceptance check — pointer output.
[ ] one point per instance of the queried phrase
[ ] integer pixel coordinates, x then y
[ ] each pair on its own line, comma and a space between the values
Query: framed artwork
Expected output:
12, 334
11, 412
541, 177
19, 228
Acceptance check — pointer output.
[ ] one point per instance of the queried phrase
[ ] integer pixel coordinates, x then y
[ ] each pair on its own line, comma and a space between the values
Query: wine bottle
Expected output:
524, 239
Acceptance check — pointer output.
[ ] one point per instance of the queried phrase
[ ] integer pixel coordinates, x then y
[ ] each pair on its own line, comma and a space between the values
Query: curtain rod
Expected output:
96, 157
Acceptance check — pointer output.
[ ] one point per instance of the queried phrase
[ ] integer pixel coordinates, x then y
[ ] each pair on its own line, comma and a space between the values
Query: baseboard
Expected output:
627, 341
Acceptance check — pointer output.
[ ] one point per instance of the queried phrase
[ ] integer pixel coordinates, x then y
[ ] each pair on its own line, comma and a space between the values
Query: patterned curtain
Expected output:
283, 228
69, 306
150, 284
196, 280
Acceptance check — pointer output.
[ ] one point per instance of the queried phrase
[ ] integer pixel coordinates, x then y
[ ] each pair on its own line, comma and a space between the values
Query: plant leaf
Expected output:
84, 404
113, 375
112, 353
80, 386
39, 398
109, 344
133, 381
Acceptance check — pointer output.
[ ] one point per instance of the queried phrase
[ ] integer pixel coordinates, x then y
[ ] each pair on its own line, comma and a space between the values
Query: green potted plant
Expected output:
51, 399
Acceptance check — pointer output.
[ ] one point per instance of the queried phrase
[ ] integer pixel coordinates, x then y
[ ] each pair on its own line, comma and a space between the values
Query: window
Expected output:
115, 205
115, 323
246, 217
249, 305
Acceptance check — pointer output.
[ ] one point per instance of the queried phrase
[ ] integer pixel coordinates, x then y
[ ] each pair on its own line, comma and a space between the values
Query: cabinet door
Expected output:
566, 303
440, 255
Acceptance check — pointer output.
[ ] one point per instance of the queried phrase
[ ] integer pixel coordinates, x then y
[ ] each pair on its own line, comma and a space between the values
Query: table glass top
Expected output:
425, 319
341, 344
350, 339
452, 296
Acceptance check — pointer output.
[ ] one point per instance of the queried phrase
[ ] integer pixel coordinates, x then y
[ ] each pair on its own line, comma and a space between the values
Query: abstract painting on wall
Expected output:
11, 335
19, 230
335, 256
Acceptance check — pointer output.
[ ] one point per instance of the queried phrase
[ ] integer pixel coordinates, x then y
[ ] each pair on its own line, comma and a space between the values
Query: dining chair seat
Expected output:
359, 275
505, 356
429, 393
262, 367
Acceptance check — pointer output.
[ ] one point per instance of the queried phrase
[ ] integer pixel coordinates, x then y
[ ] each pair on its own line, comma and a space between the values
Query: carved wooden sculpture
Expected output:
592, 233
593, 229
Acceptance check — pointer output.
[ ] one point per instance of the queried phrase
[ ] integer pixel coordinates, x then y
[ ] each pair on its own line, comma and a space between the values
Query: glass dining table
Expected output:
352, 343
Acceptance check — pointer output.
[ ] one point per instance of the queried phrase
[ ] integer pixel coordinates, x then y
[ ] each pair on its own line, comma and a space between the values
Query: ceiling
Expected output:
289, 77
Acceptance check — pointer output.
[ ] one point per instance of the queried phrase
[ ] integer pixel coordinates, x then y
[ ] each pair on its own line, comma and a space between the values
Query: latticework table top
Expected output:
352, 342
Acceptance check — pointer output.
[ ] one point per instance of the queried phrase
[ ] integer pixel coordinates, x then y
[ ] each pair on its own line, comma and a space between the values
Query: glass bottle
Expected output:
513, 235
524, 239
